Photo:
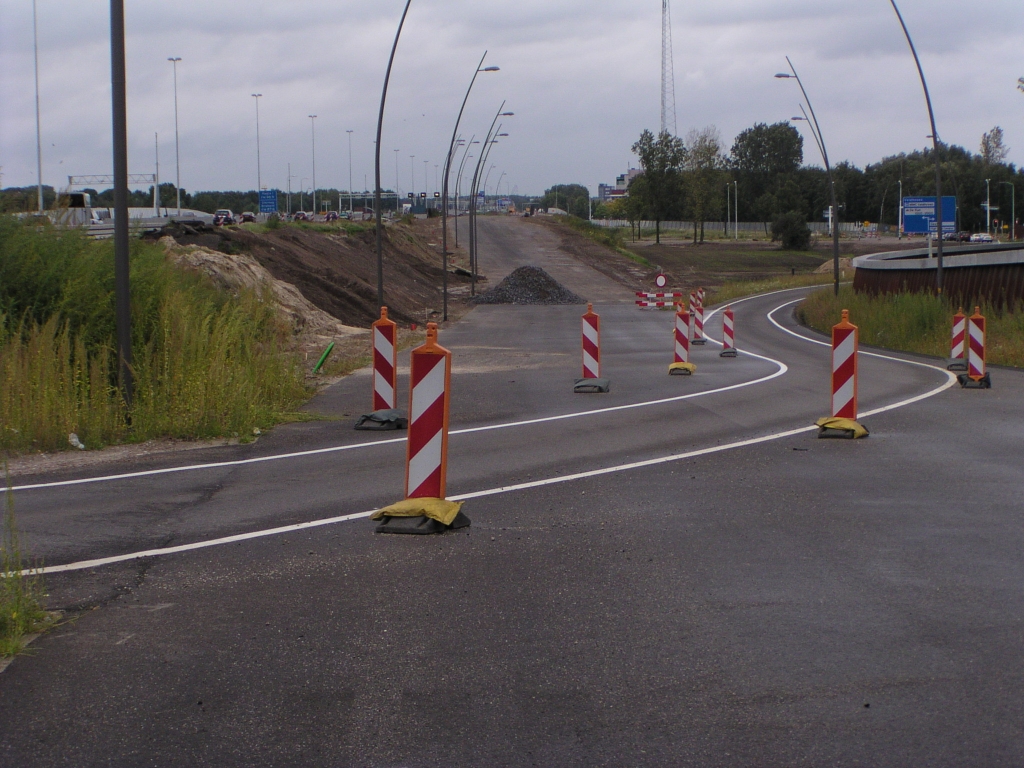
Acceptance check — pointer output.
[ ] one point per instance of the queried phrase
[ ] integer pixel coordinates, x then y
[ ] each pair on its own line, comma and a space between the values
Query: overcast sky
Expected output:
582, 76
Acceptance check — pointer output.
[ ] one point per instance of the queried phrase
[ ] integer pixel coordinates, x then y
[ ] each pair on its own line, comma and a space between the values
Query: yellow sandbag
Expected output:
436, 509
849, 425
688, 367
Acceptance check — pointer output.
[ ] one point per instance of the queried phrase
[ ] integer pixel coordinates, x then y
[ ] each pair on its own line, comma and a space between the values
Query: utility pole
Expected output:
39, 135
119, 109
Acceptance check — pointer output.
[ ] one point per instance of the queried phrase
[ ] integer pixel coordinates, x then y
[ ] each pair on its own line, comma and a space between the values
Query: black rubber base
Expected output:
727, 353
699, 342
382, 421
956, 364
591, 386
679, 372
827, 433
420, 526
968, 383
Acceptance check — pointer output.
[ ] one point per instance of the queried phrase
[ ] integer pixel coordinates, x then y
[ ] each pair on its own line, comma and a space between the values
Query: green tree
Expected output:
993, 151
574, 199
704, 176
662, 159
763, 153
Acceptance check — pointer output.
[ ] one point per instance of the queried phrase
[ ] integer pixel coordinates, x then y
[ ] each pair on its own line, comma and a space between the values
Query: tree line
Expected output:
686, 180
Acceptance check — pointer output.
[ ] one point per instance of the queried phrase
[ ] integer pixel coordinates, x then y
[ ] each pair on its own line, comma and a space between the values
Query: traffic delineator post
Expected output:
385, 362
843, 421
682, 365
957, 360
976, 377
728, 333
591, 344
697, 308
425, 509
385, 415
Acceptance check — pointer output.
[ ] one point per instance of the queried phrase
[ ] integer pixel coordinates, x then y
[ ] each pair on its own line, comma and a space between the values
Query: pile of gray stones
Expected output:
528, 285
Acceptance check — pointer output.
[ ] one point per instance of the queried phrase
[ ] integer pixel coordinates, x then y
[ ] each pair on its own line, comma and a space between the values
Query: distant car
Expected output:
957, 237
981, 237
223, 216
331, 216
301, 216
248, 217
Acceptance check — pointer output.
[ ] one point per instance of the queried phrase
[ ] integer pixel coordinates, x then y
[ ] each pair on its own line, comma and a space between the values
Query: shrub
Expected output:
792, 230
274, 221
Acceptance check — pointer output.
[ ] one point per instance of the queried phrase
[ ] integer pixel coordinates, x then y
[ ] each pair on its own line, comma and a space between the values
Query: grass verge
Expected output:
607, 236
738, 289
206, 363
913, 322
21, 595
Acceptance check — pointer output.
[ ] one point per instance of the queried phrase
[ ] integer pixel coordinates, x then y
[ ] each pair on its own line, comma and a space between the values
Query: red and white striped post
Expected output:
682, 335
728, 333
697, 307
385, 362
956, 346
591, 344
845, 338
429, 393
976, 346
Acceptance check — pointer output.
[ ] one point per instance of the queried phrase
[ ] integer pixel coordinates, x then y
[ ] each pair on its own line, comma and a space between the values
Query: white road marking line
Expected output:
85, 564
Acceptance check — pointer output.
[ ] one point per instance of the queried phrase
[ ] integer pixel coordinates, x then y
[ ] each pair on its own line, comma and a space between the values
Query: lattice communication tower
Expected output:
668, 78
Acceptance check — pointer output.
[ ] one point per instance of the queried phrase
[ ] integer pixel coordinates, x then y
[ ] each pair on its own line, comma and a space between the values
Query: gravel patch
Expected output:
528, 285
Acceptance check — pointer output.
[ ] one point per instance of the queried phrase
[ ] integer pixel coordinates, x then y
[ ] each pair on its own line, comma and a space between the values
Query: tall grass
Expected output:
609, 236
737, 289
206, 363
21, 594
914, 322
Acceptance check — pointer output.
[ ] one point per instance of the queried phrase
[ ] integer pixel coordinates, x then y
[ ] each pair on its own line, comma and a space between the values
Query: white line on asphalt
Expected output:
782, 369
85, 564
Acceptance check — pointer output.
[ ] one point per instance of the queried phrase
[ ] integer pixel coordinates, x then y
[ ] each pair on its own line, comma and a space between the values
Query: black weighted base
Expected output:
956, 364
968, 383
382, 421
591, 386
421, 526
727, 353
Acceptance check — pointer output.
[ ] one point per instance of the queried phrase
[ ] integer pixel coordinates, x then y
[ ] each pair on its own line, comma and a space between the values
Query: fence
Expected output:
758, 227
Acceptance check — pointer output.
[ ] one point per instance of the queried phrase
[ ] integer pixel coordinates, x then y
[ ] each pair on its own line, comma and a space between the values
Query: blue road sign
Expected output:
919, 215
268, 201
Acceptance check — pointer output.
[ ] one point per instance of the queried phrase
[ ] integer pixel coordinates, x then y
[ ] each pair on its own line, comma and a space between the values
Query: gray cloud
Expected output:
582, 77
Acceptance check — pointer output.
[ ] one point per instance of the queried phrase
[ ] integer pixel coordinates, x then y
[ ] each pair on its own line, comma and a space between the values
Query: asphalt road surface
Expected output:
675, 573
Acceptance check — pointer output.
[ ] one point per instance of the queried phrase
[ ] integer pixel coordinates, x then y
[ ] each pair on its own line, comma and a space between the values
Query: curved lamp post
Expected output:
816, 130
177, 155
312, 123
380, 126
458, 183
444, 187
485, 150
935, 146
259, 173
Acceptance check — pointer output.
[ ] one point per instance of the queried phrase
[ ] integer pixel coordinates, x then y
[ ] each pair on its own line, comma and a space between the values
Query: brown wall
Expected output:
1001, 284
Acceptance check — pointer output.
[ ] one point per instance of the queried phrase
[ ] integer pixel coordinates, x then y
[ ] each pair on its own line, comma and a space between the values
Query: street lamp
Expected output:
458, 182
988, 206
39, 135
412, 176
485, 150
177, 162
935, 146
302, 189
259, 173
1013, 209
312, 123
380, 128
444, 187
816, 131
122, 284
350, 208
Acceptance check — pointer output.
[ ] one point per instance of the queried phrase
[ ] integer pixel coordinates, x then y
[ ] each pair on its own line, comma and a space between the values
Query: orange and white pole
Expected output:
728, 333
956, 347
976, 346
697, 307
385, 362
591, 344
429, 394
845, 337
682, 335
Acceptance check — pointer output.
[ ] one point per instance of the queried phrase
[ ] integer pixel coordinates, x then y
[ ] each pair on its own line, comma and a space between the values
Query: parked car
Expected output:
331, 216
248, 217
981, 237
301, 216
957, 237
223, 216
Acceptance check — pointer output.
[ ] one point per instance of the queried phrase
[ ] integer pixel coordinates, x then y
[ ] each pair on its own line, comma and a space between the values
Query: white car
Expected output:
981, 237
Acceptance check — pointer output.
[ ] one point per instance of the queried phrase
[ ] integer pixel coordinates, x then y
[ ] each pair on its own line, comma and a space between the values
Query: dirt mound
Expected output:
829, 266
528, 285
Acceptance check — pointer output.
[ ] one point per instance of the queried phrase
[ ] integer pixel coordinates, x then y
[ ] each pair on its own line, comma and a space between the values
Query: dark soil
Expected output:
528, 285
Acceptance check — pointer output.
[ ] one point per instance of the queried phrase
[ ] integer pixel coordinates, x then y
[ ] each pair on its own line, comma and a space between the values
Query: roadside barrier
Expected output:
657, 300
976, 377
591, 381
728, 334
385, 415
682, 365
956, 346
843, 422
385, 362
425, 509
697, 308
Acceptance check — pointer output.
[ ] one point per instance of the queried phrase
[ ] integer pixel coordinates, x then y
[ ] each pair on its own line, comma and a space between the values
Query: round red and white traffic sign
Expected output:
661, 281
